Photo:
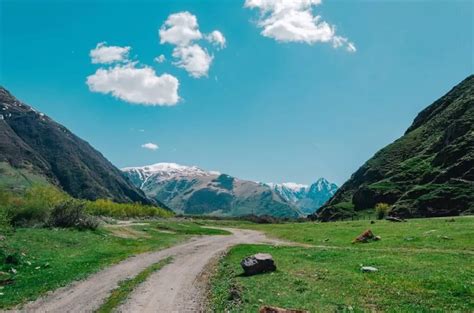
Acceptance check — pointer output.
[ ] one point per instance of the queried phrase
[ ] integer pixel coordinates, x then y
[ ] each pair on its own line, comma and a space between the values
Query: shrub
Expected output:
109, 208
382, 210
35, 206
5, 221
71, 214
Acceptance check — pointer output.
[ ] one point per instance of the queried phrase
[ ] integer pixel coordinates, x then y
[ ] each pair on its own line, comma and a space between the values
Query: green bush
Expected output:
32, 207
382, 210
5, 221
37, 204
106, 207
71, 214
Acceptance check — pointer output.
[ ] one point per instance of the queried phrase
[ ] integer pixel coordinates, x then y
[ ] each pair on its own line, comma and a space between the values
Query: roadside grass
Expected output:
426, 273
36, 260
119, 295
456, 233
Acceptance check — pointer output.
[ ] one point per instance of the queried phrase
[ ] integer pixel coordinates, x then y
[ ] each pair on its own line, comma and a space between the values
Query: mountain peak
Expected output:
168, 170
307, 198
288, 185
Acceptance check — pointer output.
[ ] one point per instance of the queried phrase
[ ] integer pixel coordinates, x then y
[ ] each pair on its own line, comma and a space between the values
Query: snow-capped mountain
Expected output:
290, 191
307, 198
164, 171
191, 190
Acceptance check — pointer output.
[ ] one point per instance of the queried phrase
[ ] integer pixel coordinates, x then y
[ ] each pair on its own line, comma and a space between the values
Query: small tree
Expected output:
382, 210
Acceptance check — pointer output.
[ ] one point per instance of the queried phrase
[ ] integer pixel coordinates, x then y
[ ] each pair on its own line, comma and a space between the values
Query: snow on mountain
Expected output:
191, 190
166, 181
307, 198
165, 171
290, 191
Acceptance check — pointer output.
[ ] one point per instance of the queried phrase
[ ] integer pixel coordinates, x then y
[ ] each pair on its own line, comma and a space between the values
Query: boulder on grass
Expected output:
274, 309
368, 269
394, 219
258, 264
365, 237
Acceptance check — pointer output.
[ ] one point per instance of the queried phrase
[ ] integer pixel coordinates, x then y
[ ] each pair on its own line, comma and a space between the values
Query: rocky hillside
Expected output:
307, 198
191, 190
35, 148
429, 171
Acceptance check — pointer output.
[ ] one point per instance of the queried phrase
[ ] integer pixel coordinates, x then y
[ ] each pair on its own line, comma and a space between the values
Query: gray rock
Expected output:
394, 219
368, 269
258, 264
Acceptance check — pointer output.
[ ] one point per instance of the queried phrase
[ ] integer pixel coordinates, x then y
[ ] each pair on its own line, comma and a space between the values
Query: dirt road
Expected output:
177, 287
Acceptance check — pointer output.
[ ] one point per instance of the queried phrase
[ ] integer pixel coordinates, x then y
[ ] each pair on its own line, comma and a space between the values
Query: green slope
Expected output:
33, 143
429, 171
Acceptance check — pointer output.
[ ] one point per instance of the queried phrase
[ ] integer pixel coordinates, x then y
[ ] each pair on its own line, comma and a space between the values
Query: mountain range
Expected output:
429, 171
191, 190
36, 149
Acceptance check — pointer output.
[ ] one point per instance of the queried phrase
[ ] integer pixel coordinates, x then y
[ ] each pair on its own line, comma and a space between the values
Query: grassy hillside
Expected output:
423, 265
427, 172
33, 143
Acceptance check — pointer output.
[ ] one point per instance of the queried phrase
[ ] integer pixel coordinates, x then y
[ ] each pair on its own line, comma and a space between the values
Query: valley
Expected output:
78, 234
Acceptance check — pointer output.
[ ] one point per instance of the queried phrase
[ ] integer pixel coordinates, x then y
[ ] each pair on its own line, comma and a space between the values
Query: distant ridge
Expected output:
191, 190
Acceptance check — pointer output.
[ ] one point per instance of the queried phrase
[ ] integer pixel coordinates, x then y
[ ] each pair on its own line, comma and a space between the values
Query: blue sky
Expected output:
268, 110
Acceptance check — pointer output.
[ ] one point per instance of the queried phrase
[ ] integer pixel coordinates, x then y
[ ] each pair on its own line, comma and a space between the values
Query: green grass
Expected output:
415, 233
419, 271
51, 258
119, 295
18, 179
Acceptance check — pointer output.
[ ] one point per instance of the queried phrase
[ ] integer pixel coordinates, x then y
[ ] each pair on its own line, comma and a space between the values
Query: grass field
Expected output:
424, 265
42, 259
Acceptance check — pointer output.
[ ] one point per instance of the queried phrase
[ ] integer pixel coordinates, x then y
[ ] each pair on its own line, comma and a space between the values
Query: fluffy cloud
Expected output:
160, 59
293, 21
150, 146
216, 38
104, 54
194, 59
135, 84
182, 30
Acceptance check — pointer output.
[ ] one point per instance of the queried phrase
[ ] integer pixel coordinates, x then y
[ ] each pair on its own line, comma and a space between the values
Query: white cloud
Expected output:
108, 54
150, 146
293, 21
194, 59
160, 59
180, 29
136, 85
216, 38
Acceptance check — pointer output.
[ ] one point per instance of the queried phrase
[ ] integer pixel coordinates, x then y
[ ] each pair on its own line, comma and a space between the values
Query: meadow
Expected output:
423, 265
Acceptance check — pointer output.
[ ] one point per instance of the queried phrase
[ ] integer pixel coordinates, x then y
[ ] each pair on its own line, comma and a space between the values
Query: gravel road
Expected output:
178, 287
